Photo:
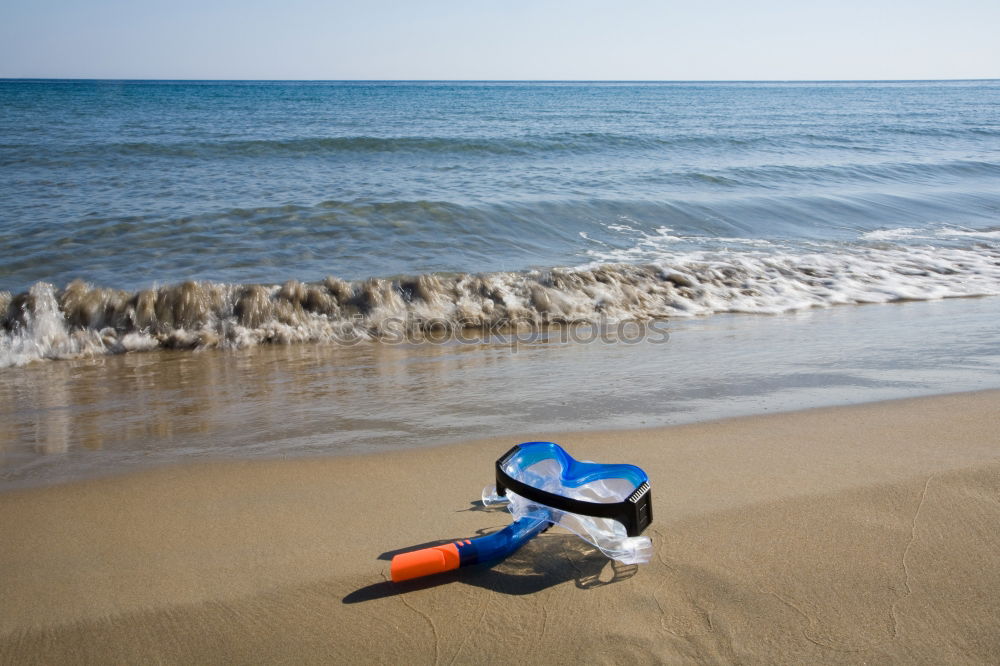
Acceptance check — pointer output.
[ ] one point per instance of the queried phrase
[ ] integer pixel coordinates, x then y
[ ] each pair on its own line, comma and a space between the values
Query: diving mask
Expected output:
606, 505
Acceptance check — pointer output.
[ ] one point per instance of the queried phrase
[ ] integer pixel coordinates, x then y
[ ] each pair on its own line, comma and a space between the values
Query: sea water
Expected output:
195, 216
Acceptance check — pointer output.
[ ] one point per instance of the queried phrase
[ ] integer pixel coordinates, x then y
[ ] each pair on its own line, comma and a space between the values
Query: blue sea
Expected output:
222, 217
763, 197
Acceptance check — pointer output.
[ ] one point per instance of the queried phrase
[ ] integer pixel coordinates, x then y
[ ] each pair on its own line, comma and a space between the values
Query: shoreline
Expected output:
499, 440
587, 435
840, 534
79, 419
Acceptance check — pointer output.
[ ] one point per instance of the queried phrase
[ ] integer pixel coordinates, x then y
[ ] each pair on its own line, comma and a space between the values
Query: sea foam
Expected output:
662, 280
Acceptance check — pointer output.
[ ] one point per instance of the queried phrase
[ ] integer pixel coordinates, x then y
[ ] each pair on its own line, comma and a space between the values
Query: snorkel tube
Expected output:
606, 505
485, 549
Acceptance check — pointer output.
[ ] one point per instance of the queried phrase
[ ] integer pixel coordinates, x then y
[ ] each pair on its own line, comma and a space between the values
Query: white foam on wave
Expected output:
663, 279
770, 277
42, 333
969, 233
892, 234
780, 282
942, 231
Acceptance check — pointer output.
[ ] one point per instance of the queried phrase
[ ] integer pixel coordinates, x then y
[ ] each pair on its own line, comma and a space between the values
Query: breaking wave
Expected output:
85, 320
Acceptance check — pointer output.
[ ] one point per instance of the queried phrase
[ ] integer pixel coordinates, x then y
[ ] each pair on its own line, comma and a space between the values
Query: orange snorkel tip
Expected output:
424, 562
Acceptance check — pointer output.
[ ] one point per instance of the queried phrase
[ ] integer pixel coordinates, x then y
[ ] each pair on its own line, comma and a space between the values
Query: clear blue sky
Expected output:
510, 39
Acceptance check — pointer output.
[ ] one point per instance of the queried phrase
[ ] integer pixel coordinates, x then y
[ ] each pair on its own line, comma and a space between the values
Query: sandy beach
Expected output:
273, 304
840, 535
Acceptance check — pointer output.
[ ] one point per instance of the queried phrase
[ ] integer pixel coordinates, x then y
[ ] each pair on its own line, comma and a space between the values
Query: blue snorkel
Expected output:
606, 505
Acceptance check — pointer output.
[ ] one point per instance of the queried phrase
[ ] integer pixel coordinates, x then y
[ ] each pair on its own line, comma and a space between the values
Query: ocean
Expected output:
179, 259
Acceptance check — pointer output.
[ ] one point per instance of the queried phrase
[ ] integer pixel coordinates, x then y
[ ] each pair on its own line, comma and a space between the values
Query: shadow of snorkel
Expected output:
546, 561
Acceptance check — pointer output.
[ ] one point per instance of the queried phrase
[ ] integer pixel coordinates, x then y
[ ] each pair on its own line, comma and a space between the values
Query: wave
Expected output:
407, 236
523, 145
84, 320
938, 131
584, 142
782, 176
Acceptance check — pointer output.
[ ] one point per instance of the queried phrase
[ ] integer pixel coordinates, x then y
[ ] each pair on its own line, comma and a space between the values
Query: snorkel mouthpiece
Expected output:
606, 505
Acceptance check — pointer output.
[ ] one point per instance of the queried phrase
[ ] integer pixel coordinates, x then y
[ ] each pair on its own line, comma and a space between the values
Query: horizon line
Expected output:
361, 80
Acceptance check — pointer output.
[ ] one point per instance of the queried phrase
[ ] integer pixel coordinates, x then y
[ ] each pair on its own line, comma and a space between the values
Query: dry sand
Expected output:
856, 534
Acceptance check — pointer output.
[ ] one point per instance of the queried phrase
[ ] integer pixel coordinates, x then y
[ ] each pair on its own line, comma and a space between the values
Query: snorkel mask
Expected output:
606, 505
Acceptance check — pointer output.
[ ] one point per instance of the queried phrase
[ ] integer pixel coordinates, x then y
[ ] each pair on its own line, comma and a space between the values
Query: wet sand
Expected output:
838, 535
75, 419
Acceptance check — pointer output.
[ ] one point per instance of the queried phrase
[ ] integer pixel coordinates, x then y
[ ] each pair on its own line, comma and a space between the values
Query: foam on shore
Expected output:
84, 320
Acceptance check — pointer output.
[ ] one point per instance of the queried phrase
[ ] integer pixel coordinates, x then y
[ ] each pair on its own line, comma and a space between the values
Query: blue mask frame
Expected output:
635, 512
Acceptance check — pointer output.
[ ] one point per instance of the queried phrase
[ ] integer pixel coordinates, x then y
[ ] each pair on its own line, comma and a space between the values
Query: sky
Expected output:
509, 40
